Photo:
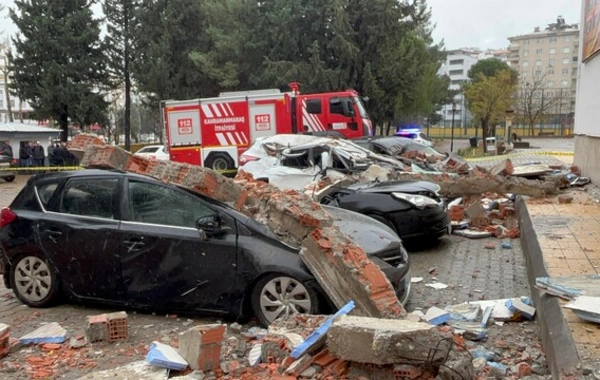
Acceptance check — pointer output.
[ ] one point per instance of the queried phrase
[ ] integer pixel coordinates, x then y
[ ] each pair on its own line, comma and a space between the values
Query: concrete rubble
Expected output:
294, 216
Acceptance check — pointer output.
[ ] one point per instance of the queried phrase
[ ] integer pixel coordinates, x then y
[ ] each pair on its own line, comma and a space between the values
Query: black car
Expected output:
5, 164
130, 240
411, 208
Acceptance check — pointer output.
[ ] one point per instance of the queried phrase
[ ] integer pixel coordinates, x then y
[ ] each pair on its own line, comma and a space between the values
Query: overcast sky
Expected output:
488, 23
471, 23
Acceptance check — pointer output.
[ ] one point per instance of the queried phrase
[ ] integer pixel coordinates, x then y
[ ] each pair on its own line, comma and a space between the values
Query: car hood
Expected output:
409, 186
369, 234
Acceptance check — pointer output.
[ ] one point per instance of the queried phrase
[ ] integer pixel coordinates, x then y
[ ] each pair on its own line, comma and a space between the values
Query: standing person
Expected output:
38, 154
24, 154
6, 149
30, 153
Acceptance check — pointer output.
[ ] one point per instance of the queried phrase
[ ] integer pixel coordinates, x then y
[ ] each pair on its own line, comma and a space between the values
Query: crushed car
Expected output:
130, 240
413, 209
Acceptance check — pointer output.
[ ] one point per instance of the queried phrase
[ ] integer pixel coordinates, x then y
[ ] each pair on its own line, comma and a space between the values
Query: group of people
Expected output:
32, 154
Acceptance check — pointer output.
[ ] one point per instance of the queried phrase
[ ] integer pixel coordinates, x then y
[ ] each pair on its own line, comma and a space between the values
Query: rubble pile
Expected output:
480, 217
341, 267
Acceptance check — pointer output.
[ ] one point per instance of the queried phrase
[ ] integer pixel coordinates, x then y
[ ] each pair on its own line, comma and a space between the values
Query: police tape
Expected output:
19, 169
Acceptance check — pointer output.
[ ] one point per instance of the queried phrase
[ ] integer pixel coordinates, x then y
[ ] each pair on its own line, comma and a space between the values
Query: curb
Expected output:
558, 344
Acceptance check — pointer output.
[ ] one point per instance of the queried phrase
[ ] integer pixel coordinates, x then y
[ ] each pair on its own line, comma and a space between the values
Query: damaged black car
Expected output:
131, 241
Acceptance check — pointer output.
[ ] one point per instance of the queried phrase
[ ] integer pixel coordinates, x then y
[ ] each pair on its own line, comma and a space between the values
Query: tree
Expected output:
120, 17
535, 100
6, 72
490, 97
58, 62
490, 67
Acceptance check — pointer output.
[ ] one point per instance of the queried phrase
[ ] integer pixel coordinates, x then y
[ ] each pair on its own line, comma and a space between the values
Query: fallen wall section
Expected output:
326, 251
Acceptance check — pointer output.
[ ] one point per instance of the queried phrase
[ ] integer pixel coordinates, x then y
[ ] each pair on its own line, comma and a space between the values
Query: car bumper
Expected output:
421, 222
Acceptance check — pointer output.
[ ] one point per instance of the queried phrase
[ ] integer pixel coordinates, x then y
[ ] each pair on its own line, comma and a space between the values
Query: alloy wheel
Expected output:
32, 279
284, 296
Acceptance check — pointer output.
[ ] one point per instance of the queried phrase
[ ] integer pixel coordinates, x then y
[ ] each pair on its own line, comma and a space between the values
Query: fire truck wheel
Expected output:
219, 162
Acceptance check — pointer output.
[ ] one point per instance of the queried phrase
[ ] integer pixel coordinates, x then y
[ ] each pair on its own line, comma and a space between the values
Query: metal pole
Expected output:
452, 138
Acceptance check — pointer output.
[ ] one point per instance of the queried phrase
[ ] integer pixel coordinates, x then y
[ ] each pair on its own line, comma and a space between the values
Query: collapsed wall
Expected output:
341, 268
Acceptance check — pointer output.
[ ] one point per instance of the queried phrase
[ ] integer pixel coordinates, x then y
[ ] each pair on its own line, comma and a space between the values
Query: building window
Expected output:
539, 51
12, 103
575, 59
565, 72
552, 62
550, 71
552, 51
565, 83
456, 82
567, 50
457, 72
457, 61
550, 93
552, 39
538, 62
574, 70
525, 53
566, 61
538, 73
550, 83
567, 38
526, 64
526, 42
540, 41
524, 74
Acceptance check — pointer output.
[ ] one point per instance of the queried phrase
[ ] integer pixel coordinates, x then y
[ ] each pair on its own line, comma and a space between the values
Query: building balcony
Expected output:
514, 47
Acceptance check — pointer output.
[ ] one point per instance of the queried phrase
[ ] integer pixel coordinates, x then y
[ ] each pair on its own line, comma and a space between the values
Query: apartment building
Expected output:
547, 61
457, 65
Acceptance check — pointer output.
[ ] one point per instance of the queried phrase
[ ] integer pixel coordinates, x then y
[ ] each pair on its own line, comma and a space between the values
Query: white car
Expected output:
291, 162
154, 152
419, 137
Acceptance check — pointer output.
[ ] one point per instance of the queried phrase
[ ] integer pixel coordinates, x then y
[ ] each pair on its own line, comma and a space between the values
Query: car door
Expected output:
78, 235
167, 261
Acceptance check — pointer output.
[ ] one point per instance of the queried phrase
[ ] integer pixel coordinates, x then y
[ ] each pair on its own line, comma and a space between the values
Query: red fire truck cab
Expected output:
214, 132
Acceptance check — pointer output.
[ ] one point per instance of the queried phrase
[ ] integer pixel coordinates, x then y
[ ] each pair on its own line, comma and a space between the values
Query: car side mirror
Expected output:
210, 225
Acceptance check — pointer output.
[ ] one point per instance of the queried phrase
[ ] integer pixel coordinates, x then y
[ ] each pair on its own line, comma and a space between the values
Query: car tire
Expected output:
220, 162
9, 179
270, 301
41, 291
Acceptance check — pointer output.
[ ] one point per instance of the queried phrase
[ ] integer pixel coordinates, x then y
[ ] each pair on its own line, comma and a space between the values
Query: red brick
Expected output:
324, 358
524, 369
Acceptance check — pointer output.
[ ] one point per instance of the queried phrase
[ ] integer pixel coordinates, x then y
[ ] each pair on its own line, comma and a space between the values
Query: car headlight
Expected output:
417, 200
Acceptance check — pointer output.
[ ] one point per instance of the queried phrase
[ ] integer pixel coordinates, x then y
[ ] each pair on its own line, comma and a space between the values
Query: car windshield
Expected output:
361, 107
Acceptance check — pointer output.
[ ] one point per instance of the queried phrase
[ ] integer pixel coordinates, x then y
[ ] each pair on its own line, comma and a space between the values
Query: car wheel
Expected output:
9, 179
221, 162
33, 282
278, 295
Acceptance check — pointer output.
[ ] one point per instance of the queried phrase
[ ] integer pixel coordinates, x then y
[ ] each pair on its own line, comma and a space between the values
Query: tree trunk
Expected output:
127, 78
64, 127
484, 133
388, 127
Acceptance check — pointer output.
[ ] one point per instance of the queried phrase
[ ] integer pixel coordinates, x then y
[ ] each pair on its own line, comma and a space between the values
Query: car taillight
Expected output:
245, 159
6, 217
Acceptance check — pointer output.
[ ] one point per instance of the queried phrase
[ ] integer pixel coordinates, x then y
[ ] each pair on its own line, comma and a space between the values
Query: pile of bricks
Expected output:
294, 216
4, 339
457, 213
111, 327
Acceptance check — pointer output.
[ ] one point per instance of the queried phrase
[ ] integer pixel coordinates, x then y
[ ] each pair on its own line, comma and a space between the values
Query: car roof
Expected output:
88, 173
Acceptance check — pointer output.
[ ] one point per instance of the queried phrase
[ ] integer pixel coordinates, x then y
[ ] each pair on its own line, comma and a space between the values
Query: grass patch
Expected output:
471, 152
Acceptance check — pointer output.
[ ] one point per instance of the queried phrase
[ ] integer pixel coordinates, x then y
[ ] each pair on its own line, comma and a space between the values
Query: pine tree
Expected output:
120, 18
58, 62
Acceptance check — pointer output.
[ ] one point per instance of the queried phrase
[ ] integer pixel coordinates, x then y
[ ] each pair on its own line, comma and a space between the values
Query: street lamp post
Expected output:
427, 122
452, 136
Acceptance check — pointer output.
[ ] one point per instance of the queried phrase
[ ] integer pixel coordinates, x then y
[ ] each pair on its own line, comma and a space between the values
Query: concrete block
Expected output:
381, 341
200, 346
49, 333
96, 328
516, 305
165, 356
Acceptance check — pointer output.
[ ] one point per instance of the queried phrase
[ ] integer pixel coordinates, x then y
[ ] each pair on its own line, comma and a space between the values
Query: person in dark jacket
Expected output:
6, 149
39, 156
25, 154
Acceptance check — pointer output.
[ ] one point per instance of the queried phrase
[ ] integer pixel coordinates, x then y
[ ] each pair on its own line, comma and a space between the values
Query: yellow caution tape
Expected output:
19, 169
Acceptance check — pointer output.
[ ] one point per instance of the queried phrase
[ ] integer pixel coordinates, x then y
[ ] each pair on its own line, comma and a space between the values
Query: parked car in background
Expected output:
415, 135
158, 152
130, 240
6, 173
413, 209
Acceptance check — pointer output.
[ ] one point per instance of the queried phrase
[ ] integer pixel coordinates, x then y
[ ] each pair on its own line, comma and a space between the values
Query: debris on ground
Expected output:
570, 287
586, 308
48, 333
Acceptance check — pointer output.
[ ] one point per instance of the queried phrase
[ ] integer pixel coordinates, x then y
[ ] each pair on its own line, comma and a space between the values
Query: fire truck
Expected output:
214, 132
